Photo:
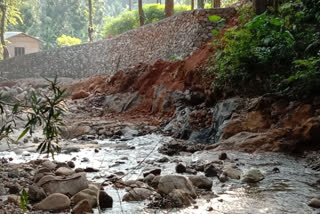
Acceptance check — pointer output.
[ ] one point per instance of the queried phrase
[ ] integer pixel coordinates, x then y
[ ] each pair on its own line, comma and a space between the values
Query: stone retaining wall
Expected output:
178, 35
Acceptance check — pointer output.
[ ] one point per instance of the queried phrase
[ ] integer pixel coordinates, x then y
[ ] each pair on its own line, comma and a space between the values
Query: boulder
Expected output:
49, 165
201, 181
54, 202
36, 193
86, 194
252, 176
137, 194
168, 183
148, 179
155, 181
82, 207
69, 185
64, 171
79, 95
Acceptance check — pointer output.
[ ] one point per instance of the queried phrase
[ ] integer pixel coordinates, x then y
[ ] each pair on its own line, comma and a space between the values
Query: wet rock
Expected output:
77, 170
69, 185
155, 172
276, 170
155, 181
315, 202
14, 173
137, 194
168, 183
86, 194
172, 148
105, 200
201, 181
223, 156
2, 190
71, 164
63, 171
252, 176
181, 168
148, 179
232, 172
36, 193
14, 199
163, 160
191, 171
14, 188
70, 149
179, 198
50, 165
85, 159
223, 178
91, 169
82, 207
54, 202
211, 171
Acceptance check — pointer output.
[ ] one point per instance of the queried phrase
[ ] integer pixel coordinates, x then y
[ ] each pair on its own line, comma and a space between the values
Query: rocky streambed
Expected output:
143, 180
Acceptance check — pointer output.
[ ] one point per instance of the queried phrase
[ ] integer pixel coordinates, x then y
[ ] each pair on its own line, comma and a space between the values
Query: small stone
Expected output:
36, 193
85, 159
252, 176
96, 150
209, 209
220, 200
71, 164
223, 178
201, 181
223, 156
163, 160
148, 179
14, 173
276, 170
14, 188
210, 171
14, 199
315, 202
91, 169
156, 172
105, 200
181, 168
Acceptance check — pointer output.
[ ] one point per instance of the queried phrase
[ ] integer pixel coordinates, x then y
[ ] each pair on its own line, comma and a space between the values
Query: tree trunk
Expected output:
192, 4
200, 4
217, 3
169, 8
130, 5
141, 14
260, 6
90, 28
3, 20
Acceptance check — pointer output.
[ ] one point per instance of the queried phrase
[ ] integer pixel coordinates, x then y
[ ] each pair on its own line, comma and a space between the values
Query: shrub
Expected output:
271, 53
130, 19
64, 41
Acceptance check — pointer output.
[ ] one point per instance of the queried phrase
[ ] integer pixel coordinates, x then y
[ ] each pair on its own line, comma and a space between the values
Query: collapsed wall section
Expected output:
178, 35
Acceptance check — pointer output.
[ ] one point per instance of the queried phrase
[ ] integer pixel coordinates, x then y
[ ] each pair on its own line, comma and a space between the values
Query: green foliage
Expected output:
24, 200
130, 19
271, 53
64, 41
44, 111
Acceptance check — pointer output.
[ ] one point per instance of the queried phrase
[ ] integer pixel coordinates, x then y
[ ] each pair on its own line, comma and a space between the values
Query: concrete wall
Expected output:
29, 44
178, 35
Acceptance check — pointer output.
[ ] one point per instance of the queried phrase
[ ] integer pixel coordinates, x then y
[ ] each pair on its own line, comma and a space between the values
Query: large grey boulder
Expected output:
169, 183
68, 186
54, 202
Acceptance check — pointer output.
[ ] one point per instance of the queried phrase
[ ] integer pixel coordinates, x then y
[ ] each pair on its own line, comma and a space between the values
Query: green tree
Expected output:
9, 13
65, 41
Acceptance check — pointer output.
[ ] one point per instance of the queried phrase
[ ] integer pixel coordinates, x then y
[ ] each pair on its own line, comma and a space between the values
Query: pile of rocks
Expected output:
53, 186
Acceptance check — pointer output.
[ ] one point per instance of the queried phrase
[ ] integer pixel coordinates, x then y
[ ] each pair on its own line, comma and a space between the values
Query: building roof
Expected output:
8, 35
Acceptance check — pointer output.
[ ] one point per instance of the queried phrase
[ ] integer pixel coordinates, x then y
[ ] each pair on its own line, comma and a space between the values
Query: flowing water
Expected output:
285, 192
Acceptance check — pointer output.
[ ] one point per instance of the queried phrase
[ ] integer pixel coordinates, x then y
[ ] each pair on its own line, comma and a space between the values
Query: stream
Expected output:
285, 192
